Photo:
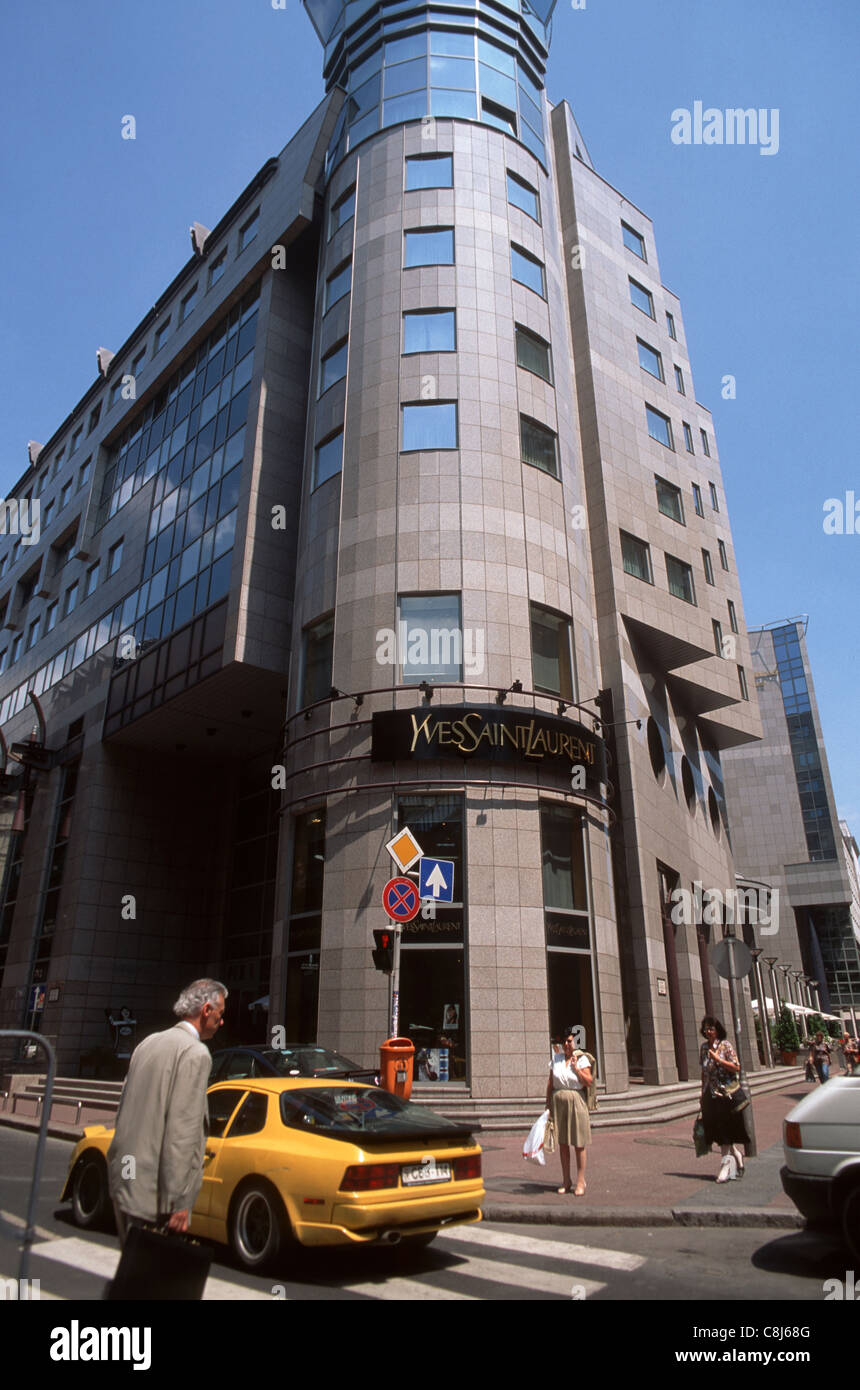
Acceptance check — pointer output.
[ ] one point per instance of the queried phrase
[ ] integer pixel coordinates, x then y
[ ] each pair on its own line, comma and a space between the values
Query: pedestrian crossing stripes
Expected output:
465, 1264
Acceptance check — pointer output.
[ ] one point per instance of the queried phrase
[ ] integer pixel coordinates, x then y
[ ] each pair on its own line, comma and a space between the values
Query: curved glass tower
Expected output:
404, 61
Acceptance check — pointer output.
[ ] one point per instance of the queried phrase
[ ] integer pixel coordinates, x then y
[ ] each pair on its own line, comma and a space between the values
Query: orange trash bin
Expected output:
396, 1058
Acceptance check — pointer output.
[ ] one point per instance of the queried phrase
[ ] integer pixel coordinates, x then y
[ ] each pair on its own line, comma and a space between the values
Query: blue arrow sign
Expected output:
436, 879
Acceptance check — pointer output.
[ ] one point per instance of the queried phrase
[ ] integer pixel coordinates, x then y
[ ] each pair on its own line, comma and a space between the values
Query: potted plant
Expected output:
786, 1036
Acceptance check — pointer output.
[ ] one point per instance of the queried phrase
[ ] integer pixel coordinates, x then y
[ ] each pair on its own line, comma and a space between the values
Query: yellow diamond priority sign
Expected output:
404, 849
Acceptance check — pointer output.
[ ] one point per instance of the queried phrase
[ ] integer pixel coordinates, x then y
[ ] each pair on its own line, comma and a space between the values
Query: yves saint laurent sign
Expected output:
490, 734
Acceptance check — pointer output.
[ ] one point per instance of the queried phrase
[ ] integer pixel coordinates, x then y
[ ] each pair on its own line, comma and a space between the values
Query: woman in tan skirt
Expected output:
566, 1103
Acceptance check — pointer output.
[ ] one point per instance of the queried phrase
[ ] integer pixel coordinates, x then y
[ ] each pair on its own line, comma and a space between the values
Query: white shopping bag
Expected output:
533, 1147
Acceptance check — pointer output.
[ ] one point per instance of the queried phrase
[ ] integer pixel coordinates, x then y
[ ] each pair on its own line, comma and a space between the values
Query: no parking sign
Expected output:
400, 899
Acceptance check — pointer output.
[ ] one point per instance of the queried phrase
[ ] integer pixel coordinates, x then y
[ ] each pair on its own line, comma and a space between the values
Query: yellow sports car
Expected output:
318, 1162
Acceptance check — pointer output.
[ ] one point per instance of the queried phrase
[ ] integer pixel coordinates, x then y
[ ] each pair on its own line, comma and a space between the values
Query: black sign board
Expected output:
492, 734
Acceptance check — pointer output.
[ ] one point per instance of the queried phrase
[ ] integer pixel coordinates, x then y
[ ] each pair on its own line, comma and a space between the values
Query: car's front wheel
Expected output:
258, 1226
91, 1204
851, 1220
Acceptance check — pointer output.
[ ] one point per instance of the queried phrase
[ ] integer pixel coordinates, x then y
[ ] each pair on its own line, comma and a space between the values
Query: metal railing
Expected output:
29, 1228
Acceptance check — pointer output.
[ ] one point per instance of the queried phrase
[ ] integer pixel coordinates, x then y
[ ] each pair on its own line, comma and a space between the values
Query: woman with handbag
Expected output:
565, 1100
722, 1100
819, 1058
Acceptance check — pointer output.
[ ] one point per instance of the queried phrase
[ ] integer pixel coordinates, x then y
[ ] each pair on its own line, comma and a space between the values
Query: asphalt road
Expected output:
488, 1263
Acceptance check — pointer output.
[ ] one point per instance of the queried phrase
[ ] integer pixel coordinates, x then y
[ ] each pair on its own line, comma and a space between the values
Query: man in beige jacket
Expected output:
155, 1161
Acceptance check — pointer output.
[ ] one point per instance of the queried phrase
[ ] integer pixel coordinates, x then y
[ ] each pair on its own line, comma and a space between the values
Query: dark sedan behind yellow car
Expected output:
316, 1162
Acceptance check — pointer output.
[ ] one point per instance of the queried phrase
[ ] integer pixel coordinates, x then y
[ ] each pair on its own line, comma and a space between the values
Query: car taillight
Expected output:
791, 1135
370, 1177
467, 1167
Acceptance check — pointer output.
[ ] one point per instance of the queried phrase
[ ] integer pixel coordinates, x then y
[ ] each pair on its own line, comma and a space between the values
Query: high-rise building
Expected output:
786, 829
397, 511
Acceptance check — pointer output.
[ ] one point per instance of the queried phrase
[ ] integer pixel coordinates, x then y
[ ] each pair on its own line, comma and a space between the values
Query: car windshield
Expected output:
349, 1111
308, 1061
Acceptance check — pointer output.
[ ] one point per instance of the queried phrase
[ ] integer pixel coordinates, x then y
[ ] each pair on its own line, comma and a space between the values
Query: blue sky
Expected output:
760, 249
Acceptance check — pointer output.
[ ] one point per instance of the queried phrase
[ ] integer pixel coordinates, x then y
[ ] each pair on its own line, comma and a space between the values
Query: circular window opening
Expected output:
656, 751
714, 811
688, 783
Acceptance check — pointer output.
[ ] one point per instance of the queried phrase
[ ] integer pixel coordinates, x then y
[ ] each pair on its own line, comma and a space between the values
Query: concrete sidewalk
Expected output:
647, 1177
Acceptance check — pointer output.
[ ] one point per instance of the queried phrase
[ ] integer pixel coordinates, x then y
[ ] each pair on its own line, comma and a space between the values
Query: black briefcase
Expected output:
156, 1266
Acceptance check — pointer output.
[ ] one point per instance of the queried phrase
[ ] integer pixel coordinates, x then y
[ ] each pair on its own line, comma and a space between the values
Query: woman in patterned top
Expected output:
720, 1073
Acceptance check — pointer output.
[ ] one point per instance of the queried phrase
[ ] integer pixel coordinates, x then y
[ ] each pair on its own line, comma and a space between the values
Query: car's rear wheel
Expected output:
258, 1225
851, 1220
91, 1205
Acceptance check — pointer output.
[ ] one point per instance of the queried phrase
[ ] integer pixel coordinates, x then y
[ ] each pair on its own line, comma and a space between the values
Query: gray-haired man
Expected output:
155, 1161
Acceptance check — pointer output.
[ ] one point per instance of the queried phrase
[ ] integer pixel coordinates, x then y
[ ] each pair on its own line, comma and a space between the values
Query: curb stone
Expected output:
644, 1216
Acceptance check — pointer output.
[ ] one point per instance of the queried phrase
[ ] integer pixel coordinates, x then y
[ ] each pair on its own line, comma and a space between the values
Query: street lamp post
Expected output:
763, 1021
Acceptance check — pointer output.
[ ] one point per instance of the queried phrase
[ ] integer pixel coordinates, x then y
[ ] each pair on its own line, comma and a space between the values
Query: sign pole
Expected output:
395, 986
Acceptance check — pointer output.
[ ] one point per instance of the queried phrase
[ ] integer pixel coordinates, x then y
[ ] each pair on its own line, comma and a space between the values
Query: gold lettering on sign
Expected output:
468, 733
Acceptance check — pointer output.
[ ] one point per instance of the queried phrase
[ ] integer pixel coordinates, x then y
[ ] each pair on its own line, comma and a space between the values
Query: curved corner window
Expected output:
328, 459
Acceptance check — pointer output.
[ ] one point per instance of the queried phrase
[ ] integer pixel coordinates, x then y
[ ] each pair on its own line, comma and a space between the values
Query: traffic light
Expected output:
383, 956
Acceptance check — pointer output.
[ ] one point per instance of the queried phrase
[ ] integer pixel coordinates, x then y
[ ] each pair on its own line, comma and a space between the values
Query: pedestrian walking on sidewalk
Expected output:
723, 1123
569, 1075
819, 1056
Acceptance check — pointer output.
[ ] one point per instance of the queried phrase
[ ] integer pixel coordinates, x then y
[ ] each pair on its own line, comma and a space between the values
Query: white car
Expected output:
821, 1140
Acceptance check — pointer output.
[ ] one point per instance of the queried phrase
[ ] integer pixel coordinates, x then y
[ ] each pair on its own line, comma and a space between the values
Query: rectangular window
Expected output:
47, 513
317, 654
688, 438
33, 633
337, 285
16, 648
715, 503
680, 577
527, 270
534, 354
718, 636
641, 298
333, 366
115, 557
435, 246
636, 558
502, 117
724, 559
187, 304
669, 500
697, 500
84, 473
538, 446
71, 599
248, 231
76, 439
733, 617
429, 171
659, 427
429, 330
633, 241
41, 484
649, 360
92, 579
342, 211
138, 362
94, 418
523, 196
679, 382
115, 392
742, 682
670, 324
708, 566
217, 267
161, 336
432, 642
328, 459
430, 426
66, 494
551, 665
51, 613
705, 445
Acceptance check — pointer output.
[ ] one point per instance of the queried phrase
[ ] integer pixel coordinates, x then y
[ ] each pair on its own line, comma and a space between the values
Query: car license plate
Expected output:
411, 1174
